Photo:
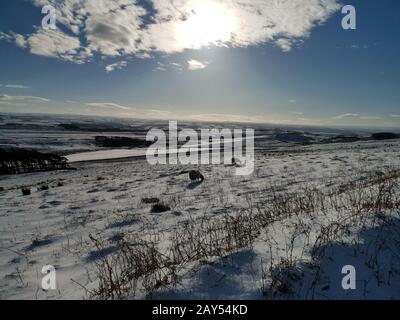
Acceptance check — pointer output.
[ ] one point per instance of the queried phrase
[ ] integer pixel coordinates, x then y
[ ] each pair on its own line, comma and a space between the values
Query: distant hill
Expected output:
296, 137
384, 136
341, 139
121, 142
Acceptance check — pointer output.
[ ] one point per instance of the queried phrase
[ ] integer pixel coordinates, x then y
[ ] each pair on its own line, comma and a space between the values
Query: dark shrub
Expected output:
26, 191
44, 187
159, 207
150, 200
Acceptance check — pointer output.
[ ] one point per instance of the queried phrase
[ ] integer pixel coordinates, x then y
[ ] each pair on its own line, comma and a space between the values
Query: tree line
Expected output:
15, 161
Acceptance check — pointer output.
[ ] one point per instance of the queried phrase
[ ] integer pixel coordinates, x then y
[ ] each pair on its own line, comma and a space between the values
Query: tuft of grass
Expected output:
43, 187
150, 200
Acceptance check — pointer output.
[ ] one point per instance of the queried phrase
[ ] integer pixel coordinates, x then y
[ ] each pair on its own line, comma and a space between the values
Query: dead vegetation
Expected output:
143, 262
366, 225
144, 265
152, 200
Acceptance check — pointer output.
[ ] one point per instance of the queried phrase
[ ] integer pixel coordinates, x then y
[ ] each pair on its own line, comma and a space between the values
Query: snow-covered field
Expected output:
284, 232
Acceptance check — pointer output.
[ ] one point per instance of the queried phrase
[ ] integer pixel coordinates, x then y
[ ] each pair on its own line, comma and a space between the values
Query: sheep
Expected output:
196, 175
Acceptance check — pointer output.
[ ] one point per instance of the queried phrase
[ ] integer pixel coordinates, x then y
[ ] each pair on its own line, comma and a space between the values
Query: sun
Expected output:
209, 23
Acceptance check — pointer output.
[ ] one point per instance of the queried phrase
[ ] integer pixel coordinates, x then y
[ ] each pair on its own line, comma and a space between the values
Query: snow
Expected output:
105, 155
103, 199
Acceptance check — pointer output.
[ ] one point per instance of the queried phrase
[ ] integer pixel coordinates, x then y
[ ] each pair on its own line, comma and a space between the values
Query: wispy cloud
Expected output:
370, 117
285, 44
302, 119
107, 105
216, 117
113, 28
197, 65
356, 116
161, 66
16, 86
358, 46
116, 66
346, 115
10, 99
7, 36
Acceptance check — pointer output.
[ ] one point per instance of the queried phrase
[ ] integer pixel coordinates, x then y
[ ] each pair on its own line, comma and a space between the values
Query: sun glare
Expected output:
210, 23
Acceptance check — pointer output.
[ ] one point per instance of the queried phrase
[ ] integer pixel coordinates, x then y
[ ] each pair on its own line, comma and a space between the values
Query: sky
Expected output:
273, 61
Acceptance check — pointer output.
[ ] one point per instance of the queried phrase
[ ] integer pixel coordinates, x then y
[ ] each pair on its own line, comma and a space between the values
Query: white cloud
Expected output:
284, 44
354, 115
107, 105
10, 99
113, 27
229, 118
395, 115
116, 66
169, 66
161, 67
20, 41
176, 66
6, 36
117, 27
56, 44
16, 86
304, 119
346, 115
196, 65
357, 46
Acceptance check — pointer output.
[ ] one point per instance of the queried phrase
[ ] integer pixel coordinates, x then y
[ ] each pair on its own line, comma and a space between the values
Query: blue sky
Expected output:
218, 60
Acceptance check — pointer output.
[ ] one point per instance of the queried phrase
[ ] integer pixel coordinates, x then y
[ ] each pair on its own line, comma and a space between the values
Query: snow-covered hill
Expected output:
305, 213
